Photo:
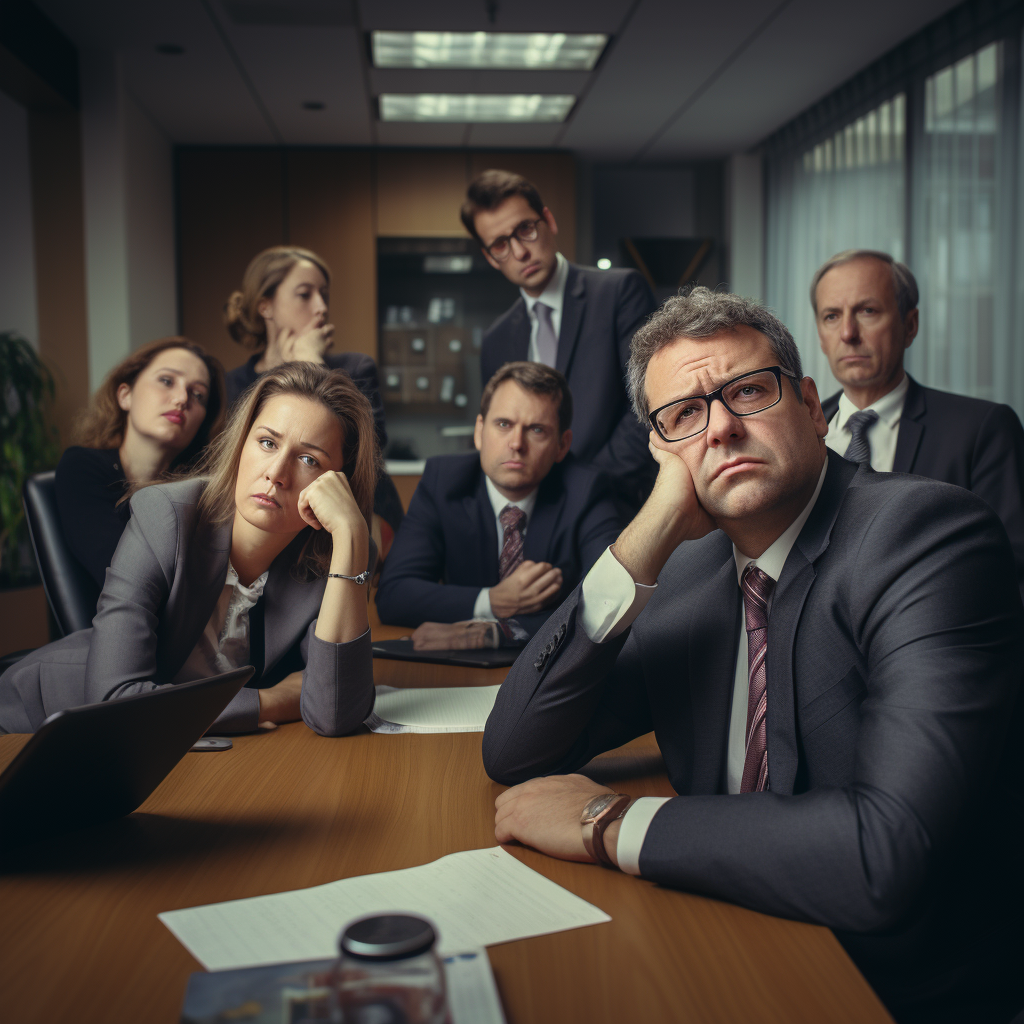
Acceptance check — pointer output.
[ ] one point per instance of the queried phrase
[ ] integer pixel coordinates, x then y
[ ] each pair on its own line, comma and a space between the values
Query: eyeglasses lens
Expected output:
742, 396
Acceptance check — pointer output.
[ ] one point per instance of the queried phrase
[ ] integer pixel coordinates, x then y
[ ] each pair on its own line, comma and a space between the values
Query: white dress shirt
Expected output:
482, 606
224, 644
610, 601
551, 296
881, 435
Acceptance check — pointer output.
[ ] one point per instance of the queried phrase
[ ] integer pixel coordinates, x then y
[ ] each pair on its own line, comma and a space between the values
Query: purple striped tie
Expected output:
757, 589
511, 519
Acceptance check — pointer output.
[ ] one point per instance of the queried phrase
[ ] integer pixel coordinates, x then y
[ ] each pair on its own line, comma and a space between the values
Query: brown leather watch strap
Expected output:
597, 816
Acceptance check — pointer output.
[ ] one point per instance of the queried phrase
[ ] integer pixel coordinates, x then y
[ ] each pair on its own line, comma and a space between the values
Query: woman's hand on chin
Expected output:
329, 504
307, 347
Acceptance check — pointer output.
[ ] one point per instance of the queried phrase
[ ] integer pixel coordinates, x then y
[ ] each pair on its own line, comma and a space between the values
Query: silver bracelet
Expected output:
360, 579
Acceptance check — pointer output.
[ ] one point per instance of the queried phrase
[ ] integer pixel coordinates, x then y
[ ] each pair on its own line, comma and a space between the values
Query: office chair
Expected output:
70, 591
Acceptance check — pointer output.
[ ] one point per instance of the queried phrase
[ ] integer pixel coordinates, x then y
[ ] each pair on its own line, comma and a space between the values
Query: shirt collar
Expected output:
253, 592
552, 295
889, 407
499, 501
774, 558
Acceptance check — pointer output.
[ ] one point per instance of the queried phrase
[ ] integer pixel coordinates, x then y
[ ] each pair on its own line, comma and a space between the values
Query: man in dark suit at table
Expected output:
576, 319
830, 659
865, 305
495, 538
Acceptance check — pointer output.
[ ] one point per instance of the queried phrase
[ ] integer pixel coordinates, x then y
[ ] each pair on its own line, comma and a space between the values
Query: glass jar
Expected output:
389, 973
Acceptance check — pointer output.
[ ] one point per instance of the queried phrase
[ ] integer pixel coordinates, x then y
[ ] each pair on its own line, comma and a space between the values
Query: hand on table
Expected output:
454, 636
280, 703
527, 589
545, 814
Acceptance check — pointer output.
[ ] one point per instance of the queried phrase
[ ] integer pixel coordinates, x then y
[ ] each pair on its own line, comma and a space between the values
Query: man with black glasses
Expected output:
576, 319
830, 660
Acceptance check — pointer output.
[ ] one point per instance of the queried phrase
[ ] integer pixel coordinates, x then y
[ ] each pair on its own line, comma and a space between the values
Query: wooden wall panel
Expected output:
230, 206
330, 210
554, 174
419, 193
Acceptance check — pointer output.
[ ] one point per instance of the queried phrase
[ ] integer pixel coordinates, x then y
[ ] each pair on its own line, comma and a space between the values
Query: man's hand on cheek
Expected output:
675, 494
545, 814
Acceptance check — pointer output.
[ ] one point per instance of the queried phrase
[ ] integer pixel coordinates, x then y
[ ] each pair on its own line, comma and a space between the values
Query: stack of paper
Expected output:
445, 709
474, 898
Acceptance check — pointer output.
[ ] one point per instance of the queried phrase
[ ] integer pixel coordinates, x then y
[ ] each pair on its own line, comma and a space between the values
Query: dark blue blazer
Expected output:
964, 441
602, 310
447, 546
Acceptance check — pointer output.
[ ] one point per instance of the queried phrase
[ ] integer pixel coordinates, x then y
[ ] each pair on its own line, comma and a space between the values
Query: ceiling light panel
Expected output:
474, 109
531, 50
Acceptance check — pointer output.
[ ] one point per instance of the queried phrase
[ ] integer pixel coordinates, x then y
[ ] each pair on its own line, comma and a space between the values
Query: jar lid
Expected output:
387, 936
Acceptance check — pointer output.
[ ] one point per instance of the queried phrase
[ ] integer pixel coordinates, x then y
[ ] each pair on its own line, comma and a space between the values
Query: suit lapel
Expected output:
287, 603
787, 606
519, 332
716, 621
908, 440
573, 308
481, 527
551, 499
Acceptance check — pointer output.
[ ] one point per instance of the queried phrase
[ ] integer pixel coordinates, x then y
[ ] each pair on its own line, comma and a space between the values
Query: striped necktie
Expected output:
512, 519
860, 423
757, 587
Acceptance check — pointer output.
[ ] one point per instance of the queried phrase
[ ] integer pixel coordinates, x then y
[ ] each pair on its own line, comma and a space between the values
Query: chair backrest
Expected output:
70, 590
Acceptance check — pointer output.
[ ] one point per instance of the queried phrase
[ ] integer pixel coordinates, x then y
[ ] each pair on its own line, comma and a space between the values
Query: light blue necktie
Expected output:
547, 341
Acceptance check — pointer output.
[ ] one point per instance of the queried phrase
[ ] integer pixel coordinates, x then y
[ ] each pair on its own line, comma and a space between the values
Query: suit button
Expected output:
561, 631
541, 661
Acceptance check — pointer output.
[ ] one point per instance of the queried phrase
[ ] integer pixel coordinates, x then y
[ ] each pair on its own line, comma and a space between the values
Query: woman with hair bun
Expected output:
156, 412
272, 526
280, 314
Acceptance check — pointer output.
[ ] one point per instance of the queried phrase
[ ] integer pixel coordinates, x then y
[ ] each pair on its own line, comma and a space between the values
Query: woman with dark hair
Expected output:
280, 314
260, 557
156, 411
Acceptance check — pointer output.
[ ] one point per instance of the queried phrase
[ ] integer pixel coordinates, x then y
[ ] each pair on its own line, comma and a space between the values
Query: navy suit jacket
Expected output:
964, 441
601, 311
446, 549
893, 668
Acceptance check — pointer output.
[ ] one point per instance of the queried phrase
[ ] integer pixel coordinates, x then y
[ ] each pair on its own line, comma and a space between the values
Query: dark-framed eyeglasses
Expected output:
743, 396
524, 232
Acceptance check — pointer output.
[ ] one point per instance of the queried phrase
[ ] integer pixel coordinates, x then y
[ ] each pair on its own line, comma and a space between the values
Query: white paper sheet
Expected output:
472, 994
437, 709
475, 898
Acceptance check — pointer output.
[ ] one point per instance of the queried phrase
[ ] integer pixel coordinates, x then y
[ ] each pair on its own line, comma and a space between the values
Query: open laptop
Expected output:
480, 657
97, 762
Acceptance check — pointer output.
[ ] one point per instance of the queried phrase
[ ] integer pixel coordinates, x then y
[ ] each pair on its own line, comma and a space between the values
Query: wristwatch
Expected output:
360, 579
599, 813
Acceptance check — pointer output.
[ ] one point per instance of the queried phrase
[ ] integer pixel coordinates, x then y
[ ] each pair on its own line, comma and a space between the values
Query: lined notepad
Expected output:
441, 709
475, 898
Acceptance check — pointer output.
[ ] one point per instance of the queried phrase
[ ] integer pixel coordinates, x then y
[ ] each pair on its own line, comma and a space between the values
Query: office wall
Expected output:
744, 227
234, 202
17, 251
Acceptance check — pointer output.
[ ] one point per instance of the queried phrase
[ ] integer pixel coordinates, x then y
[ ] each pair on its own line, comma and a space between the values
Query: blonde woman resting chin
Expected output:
278, 511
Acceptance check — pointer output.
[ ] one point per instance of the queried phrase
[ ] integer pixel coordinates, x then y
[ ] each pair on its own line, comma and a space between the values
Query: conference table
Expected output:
285, 809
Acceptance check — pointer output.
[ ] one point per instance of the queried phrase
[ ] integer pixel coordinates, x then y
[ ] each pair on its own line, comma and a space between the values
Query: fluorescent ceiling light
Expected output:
474, 109
548, 50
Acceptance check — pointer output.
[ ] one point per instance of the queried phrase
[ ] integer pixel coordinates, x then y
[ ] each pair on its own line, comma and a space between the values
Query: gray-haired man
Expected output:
828, 657
865, 305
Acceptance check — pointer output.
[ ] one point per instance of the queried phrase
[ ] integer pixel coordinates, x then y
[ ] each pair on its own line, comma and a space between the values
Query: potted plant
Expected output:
28, 444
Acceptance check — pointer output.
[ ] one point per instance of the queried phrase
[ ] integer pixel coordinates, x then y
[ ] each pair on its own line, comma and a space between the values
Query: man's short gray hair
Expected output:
904, 285
702, 313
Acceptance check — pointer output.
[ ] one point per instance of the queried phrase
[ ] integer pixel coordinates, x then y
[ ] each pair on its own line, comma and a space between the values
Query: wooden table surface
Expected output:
287, 809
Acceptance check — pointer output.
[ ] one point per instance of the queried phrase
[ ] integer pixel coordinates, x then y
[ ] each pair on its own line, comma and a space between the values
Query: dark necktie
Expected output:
757, 587
547, 340
860, 423
512, 520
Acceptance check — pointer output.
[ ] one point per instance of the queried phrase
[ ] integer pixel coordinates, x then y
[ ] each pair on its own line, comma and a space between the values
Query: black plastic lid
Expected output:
387, 937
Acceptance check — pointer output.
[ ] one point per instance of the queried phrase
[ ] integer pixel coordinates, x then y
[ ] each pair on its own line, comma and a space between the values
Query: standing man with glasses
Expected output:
865, 307
578, 320
830, 660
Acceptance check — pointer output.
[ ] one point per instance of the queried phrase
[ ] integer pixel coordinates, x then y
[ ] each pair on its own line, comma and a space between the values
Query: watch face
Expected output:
597, 805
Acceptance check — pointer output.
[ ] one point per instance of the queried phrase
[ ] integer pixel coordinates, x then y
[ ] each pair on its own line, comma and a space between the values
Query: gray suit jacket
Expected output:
893, 667
160, 591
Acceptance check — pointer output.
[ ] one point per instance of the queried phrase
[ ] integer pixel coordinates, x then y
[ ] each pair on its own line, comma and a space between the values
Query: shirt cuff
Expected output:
482, 606
633, 831
610, 600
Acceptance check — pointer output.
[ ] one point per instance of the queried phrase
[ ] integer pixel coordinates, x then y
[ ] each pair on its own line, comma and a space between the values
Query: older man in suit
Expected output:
830, 660
865, 306
576, 319
502, 534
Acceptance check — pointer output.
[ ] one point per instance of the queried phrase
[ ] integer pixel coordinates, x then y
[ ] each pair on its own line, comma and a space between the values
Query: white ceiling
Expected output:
680, 80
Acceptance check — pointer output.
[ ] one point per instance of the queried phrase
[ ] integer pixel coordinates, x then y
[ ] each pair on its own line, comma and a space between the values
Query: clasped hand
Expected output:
528, 588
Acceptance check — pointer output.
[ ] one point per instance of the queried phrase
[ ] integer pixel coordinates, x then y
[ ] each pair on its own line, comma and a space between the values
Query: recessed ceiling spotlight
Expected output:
604, 263
170, 49
548, 50
313, 105
474, 109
